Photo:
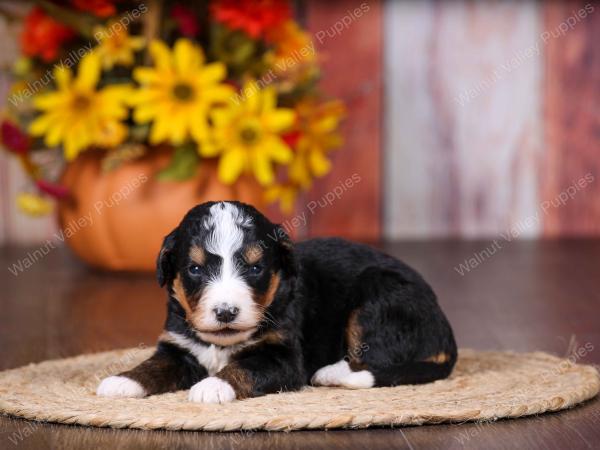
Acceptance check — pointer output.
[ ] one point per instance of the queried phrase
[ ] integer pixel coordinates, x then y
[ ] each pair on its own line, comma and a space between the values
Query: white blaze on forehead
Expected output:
225, 222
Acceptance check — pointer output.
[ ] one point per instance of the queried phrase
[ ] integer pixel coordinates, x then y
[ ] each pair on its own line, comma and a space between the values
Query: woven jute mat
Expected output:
483, 386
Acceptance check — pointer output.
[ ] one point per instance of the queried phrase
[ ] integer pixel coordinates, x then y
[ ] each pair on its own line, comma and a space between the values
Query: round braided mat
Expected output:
483, 386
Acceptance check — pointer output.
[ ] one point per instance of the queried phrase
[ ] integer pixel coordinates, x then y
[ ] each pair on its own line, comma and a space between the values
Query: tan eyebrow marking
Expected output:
268, 297
253, 253
197, 255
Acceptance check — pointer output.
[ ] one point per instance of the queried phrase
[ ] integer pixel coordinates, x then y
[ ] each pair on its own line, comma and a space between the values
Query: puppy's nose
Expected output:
226, 313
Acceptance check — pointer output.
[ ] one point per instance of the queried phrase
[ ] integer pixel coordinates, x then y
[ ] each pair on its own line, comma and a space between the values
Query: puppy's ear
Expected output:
286, 248
165, 264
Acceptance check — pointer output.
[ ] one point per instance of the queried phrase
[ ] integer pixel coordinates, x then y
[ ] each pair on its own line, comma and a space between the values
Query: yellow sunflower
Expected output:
177, 93
286, 194
248, 135
33, 204
77, 114
318, 134
116, 46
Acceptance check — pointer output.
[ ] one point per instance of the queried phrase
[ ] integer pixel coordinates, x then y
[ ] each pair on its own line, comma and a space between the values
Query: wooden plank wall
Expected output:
491, 118
572, 117
463, 121
348, 36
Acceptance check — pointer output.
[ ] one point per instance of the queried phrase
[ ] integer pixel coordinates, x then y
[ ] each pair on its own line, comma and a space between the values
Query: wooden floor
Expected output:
527, 296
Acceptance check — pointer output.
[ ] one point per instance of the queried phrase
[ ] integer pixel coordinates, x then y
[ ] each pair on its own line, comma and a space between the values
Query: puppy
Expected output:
250, 314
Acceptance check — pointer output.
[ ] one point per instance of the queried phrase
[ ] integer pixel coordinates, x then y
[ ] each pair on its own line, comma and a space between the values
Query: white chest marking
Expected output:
212, 357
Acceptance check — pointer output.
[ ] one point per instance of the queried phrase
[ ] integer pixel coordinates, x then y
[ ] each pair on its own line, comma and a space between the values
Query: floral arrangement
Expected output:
234, 80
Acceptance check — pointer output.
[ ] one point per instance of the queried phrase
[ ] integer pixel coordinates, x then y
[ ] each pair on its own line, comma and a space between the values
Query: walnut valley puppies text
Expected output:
315, 206
521, 227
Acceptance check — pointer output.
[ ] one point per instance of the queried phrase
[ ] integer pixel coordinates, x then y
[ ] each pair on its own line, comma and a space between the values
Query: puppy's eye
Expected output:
195, 269
255, 269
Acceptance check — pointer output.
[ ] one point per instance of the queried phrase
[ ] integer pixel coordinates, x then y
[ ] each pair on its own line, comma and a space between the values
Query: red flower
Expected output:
186, 20
13, 138
52, 189
100, 8
291, 138
42, 35
252, 16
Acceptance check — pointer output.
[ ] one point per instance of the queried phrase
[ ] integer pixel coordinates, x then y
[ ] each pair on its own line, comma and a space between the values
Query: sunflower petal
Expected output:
49, 100
250, 96
145, 113
298, 171
161, 55
269, 99
89, 71
160, 128
278, 150
62, 77
55, 135
199, 128
208, 149
280, 119
232, 165
146, 75
319, 164
41, 124
178, 128
263, 171
184, 56
213, 73
74, 142
220, 93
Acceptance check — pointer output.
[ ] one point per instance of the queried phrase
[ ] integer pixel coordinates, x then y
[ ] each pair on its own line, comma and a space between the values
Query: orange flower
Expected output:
319, 134
42, 35
291, 42
293, 55
254, 17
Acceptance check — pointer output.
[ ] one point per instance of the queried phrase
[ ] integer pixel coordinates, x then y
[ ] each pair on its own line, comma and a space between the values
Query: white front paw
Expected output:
119, 386
212, 390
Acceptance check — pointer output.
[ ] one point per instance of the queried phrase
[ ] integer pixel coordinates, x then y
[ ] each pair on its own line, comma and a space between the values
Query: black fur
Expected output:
325, 285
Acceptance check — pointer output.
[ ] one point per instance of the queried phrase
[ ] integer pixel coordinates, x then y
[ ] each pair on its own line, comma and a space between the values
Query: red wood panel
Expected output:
348, 36
572, 112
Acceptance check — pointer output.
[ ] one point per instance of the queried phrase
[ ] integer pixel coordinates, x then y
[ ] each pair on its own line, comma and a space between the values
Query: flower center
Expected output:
183, 92
249, 135
81, 102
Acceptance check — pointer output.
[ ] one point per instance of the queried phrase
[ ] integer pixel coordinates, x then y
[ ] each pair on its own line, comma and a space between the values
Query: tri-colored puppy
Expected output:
249, 314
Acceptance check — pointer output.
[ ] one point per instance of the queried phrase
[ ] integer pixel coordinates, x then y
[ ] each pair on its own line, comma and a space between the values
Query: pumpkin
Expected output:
117, 219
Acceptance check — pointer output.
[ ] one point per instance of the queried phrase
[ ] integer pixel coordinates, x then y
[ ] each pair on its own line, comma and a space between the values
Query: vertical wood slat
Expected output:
462, 116
352, 69
572, 117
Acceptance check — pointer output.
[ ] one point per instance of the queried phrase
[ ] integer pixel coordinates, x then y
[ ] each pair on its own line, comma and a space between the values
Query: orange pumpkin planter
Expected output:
117, 219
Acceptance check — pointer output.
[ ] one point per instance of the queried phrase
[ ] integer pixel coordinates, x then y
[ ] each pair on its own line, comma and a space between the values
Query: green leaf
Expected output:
183, 164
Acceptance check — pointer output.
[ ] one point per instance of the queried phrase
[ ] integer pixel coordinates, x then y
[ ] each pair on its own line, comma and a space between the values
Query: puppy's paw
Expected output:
340, 374
212, 390
331, 375
119, 386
